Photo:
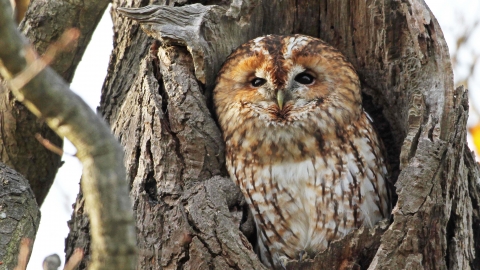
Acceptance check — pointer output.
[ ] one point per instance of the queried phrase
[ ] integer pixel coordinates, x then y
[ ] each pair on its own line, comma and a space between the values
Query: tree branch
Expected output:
44, 23
104, 182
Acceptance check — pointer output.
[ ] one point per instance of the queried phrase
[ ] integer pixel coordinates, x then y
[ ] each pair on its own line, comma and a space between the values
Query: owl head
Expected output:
284, 81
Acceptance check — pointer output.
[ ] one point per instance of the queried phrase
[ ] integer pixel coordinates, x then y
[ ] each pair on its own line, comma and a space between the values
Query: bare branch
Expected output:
104, 182
39, 64
43, 31
43, 24
50, 146
20, 9
74, 260
23, 254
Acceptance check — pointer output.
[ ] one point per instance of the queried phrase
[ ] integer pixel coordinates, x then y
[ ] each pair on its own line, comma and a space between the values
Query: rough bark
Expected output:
20, 150
19, 215
44, 23
159, 111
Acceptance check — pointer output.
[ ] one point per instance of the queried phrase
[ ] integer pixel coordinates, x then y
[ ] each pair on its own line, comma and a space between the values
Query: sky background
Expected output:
455, 17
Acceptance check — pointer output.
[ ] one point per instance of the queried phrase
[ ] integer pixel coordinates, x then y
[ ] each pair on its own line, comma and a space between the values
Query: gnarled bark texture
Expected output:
157, 101
19, 215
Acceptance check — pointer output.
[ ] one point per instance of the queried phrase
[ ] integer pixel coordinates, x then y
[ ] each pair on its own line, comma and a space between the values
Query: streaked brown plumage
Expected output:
299, 144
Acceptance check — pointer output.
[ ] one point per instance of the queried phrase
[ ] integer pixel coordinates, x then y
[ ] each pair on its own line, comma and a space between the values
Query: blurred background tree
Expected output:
460, 24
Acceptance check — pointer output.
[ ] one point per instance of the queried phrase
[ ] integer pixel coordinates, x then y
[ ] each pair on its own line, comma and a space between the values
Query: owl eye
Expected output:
257, 82
304, 78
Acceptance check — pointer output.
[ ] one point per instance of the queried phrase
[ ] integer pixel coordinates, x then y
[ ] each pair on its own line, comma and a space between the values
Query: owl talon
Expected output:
283, 261
302, 255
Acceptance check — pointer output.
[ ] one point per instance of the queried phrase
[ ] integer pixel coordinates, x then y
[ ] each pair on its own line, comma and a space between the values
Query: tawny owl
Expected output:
299, 144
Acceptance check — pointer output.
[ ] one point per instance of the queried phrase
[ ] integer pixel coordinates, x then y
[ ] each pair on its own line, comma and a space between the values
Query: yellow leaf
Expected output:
475, 131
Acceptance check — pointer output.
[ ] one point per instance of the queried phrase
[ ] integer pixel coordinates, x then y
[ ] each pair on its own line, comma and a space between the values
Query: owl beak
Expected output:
280, 97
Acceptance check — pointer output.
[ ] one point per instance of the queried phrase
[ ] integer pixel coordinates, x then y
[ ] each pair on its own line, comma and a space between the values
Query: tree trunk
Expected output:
19, 215
157, 100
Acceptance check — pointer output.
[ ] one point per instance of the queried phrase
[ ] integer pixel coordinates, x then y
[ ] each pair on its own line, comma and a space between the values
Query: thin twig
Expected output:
74, 260
50, 146
65, 42
23, 254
